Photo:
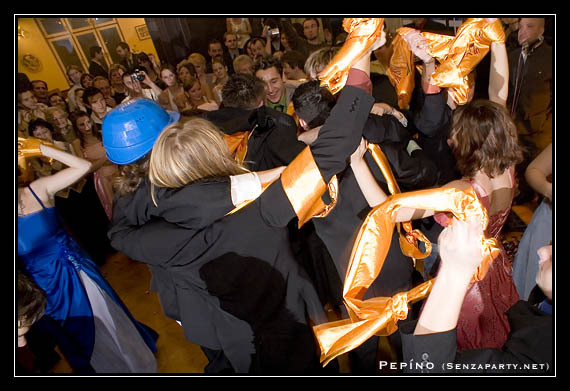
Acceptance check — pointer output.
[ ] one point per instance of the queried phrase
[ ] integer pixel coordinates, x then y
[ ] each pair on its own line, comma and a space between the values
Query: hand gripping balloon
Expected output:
362, 35
457, 57
27, 148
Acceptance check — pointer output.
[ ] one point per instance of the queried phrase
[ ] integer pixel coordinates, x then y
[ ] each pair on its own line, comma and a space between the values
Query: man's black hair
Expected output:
313, 103
88, 93
243, 91
267, 62
35, 123
94, 50
294, 58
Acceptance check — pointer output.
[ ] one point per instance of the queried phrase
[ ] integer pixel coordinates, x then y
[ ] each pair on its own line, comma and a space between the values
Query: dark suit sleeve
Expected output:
433, 114
155, 243
154, 234
427, 353
527, 350
342, 132
283, 142
194, 206
338, 139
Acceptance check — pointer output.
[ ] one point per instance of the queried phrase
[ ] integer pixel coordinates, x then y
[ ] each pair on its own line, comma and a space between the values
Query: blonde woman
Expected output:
243, 64
222, 76
199, 63
318, 60
231, 278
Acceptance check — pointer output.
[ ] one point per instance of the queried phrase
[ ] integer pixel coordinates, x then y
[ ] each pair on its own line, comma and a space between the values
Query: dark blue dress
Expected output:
80, 301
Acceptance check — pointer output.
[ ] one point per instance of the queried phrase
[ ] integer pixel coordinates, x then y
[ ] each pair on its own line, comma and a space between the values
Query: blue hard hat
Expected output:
130, 129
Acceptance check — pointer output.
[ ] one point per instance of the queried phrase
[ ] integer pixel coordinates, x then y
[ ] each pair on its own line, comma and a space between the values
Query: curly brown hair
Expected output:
484, 137
131, 176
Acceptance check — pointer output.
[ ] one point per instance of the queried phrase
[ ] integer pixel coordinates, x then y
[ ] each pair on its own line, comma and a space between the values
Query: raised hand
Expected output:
418, 45
363, 34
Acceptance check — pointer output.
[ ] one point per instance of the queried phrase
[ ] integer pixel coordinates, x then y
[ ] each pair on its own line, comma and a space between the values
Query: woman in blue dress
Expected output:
93, 328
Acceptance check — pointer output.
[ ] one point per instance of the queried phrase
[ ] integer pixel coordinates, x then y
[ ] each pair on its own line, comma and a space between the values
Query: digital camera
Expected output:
137, 75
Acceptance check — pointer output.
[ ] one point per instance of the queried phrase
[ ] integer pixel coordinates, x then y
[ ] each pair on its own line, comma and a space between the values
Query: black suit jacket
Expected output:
96, 69
432, 118
229, 61
273, 142
535, 96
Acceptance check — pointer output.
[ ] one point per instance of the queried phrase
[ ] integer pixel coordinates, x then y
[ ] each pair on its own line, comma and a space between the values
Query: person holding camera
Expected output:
134, 81
272, 38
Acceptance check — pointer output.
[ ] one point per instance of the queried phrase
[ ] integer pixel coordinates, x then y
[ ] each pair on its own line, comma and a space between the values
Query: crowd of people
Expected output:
243, 179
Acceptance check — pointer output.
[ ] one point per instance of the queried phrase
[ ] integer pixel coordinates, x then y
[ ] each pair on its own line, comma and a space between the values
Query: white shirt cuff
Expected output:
245, 187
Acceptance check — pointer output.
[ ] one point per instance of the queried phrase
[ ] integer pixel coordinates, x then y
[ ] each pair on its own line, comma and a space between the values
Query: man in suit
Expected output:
97, 66
530, 84
274, 142
216, 52
232, 50
128, 58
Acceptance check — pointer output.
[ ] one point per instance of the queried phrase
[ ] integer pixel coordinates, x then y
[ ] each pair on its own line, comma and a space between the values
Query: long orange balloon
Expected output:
379, 315
362, 34
458, 56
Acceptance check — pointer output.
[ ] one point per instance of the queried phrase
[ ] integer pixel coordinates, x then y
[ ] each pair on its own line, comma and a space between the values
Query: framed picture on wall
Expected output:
142, 32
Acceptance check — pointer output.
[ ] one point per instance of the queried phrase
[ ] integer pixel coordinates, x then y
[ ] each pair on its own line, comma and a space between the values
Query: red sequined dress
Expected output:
482, 321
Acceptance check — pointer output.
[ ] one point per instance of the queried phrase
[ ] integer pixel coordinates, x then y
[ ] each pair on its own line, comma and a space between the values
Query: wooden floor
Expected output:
175, 355
131, 281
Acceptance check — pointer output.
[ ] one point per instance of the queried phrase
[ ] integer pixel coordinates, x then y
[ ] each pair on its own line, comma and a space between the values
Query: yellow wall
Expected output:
127, 27
34, 43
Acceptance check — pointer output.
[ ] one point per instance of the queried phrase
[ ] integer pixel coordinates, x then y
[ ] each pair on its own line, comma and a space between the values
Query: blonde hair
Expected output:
197, 58
115, 67
189, 151
318, 60
55, 109
240, 59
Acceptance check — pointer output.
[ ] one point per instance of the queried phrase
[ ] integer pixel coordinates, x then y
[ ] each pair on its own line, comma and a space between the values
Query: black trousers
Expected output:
84, 217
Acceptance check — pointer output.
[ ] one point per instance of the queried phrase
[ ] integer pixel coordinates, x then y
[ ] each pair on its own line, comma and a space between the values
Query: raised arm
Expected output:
460, 255
46, 187
156, 89
538, 171
499, 72
434, 112
338, 138
370, 189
